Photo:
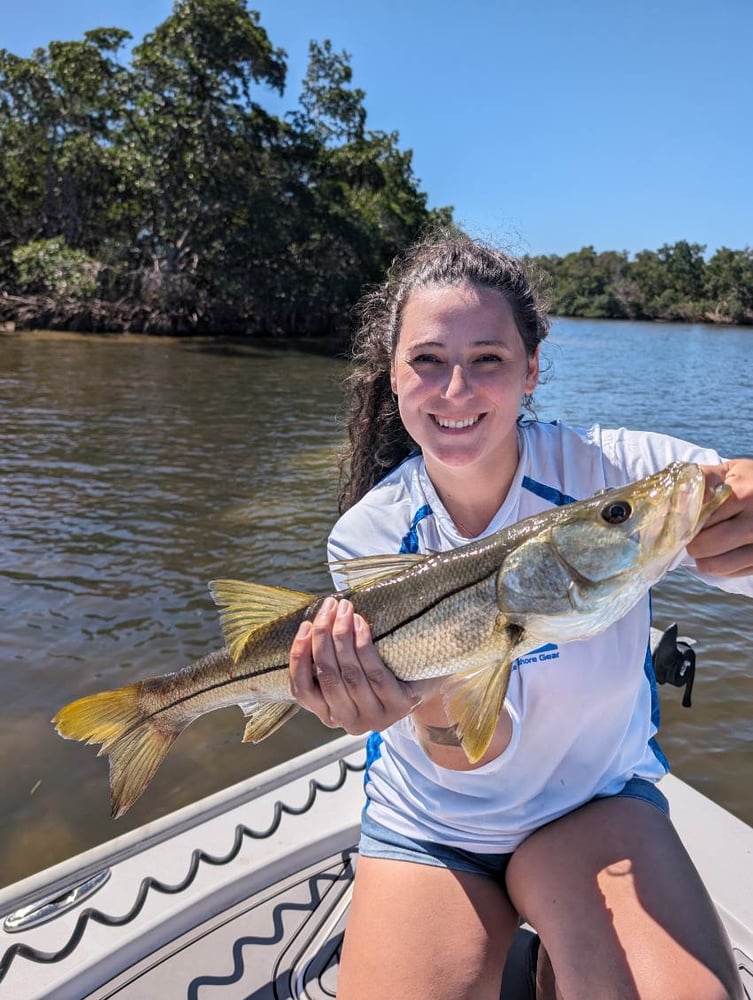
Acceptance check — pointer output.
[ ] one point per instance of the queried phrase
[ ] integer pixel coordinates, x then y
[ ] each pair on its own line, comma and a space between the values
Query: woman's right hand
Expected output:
337, 673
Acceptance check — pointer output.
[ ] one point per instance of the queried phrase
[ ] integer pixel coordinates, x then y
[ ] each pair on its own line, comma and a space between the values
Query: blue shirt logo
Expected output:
549, 651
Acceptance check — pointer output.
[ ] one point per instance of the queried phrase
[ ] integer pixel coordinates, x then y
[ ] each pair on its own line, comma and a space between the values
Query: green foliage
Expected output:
165, 191
672, 283
201, 209
50, 267
728, 284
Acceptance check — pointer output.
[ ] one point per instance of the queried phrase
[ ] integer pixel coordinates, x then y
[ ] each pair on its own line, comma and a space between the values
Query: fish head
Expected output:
599, 556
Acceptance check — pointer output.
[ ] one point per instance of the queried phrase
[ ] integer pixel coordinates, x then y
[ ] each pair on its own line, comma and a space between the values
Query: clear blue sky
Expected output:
547, 124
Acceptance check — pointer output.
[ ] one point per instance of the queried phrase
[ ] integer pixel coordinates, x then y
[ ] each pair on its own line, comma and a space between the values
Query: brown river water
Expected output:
133, 470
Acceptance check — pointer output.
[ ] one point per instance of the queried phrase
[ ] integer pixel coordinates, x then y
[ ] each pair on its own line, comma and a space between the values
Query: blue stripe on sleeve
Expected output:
373, 752
648, 669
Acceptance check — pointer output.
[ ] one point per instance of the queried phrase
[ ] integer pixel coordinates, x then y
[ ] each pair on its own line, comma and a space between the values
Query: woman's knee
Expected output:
620, 907
416, 931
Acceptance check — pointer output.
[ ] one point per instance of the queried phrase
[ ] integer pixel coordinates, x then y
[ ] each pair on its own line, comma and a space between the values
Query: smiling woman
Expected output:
459, 376
445, 360
468, 274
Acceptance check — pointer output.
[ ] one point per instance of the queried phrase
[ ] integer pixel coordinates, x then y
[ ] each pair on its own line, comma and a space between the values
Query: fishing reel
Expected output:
674, 660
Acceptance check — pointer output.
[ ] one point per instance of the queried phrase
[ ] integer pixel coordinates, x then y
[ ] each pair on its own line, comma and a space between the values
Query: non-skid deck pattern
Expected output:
223, 861
283, 943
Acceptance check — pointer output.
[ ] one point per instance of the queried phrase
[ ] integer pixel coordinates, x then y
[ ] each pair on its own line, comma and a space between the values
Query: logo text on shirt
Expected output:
550, 651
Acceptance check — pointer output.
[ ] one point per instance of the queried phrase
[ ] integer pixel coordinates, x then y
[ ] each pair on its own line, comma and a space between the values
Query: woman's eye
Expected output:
488, 359
425, 359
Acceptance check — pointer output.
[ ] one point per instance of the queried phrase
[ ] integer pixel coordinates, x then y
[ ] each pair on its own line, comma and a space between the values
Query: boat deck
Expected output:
246, 894
282, 943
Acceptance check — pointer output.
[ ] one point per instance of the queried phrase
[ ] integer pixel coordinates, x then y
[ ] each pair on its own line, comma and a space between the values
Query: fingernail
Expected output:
343, 607
328, 605
303, 629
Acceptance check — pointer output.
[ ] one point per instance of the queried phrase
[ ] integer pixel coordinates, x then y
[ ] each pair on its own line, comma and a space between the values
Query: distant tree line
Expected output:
157, 193
675, 282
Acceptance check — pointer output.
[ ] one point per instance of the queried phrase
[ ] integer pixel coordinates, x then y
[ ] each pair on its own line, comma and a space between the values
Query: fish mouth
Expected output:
457, 423
683, 511
679, 515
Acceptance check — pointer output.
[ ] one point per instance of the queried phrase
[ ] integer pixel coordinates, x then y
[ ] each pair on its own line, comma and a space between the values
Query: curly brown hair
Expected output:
377, 439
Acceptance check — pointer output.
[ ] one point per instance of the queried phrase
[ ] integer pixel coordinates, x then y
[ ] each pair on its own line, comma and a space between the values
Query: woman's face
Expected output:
460, 371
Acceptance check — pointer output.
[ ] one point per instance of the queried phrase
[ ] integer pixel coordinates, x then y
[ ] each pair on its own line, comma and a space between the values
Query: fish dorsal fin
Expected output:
245, 607
366, 570
473, 699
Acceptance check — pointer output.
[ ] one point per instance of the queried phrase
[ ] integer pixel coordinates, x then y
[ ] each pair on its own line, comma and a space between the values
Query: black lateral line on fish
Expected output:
284, 666
200, 692
430, 606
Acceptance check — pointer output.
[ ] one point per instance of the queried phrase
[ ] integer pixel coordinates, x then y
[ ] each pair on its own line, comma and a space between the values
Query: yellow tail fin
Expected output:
134, 744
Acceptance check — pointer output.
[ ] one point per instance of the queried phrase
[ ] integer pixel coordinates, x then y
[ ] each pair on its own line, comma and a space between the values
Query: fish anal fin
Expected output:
367, 570
265, 718
246, 607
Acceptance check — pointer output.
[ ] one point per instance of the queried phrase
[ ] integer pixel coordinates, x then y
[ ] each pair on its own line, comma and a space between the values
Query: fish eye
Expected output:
617, 512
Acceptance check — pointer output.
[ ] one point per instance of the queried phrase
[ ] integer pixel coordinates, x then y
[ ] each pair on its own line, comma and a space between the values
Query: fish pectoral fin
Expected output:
245, 607
364, 571
473, 702
473, 698
265, 718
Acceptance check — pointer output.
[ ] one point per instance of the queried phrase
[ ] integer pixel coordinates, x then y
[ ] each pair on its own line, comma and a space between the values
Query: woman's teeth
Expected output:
457, 424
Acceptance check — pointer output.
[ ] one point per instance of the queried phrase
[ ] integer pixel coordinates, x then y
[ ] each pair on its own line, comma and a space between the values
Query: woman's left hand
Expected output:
724, 546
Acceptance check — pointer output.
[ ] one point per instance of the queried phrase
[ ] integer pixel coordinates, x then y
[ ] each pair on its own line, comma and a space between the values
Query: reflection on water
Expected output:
134, 470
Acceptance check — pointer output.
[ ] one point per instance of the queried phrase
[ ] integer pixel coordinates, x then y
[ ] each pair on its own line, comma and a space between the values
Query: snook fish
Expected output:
465, 615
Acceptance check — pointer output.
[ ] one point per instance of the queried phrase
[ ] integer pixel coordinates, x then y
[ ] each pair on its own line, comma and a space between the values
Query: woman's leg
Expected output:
418, 931
620, 907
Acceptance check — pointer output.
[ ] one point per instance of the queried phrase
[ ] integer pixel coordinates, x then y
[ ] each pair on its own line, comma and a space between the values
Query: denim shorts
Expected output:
378, 841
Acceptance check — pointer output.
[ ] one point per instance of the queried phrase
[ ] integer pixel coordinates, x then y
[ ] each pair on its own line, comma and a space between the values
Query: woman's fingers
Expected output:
337, 672
353, 700
725, 544
303, 684
335, 660
395, 698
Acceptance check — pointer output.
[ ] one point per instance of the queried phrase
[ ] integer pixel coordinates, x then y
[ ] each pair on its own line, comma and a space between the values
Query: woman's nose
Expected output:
459, 383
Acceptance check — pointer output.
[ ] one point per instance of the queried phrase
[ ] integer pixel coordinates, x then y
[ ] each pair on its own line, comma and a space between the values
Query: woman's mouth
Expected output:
456, 424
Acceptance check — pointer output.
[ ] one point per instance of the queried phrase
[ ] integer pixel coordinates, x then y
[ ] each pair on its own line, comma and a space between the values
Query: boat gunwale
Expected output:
59, 879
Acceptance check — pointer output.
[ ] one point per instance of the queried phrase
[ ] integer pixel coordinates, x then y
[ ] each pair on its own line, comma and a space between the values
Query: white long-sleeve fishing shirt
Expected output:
584, 714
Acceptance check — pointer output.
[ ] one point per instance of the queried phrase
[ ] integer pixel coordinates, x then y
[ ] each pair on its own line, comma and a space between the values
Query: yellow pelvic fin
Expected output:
245, 607
135, 745
362, 572
473, 699
265, 719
